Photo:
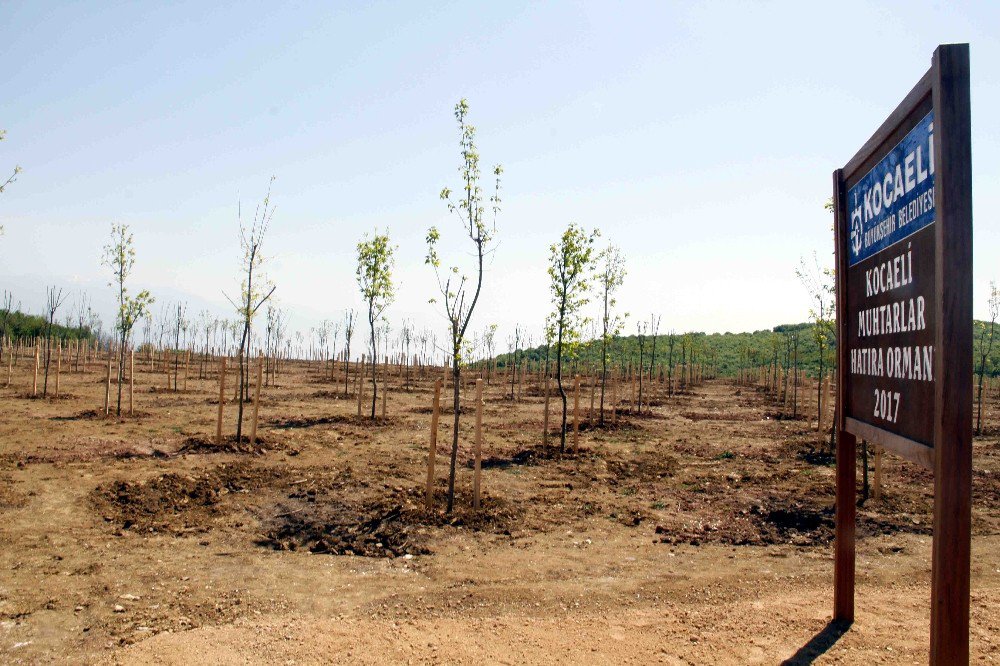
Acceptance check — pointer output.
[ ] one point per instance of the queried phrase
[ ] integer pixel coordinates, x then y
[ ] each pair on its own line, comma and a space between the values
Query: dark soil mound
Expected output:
340, 529
646, 467
176, 503
392, 526
228, 445
719, 416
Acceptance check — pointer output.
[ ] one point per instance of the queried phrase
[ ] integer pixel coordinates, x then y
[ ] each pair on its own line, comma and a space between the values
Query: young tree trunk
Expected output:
979, 404
48, 354
604, 373
456, 383
374, 364
819, 391
982, 370
242, 384
347, 368
640, 378
562, 391
121, 371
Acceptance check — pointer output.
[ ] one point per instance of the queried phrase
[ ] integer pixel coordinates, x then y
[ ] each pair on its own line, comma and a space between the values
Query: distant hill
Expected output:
726, 353
15, 324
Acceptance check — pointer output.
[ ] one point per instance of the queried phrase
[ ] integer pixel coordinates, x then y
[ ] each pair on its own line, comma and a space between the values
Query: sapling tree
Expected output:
119, 256
323, 340
489, 346
569, 283
987, 333
163, 326
795, 373
654, 329
610, 276
81, 306
207, 325
382, 337
334, 332
685, 377
405, 340
515, 344
350, 319
255, 290
274, 329
6, 309
671, 343
819, 283
94, 324
774, 341
454, 285
640, 330
181, 324
374, 274
54, 301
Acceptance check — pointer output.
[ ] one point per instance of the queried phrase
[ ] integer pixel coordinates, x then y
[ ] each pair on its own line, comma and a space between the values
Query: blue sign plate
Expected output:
896, 198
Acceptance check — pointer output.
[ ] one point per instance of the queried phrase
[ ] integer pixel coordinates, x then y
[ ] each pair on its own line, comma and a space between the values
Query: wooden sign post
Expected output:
903, 209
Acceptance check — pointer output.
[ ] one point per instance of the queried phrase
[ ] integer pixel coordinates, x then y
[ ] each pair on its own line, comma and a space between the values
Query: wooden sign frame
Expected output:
944, 90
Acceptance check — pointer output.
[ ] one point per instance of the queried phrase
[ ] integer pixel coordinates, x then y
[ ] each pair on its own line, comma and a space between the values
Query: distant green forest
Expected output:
15, 324
726, 353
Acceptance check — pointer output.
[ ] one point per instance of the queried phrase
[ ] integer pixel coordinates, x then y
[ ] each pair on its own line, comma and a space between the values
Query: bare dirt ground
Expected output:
701, 533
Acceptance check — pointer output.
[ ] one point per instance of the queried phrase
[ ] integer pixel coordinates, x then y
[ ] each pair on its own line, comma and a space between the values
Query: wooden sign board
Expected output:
903, 233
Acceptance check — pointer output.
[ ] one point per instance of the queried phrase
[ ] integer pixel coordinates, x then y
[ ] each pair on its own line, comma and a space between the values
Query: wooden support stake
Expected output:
236, 384
593, 397
222, 401
632, 384
131, 382
614, 401
256, 402
576, 411
479, 444
877, 485
361, 383
385, 385
429, 493
107, 389
545, 417
520, 380
824, 408
34, 381
58, 367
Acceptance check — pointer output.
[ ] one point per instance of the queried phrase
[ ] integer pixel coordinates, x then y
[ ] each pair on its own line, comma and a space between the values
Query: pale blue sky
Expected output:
700, 137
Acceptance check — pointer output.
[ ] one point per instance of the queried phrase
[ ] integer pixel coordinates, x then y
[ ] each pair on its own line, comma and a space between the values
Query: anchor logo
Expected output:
856, 231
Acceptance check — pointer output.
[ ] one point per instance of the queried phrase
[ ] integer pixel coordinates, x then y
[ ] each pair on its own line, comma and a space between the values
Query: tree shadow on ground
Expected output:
818, 644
